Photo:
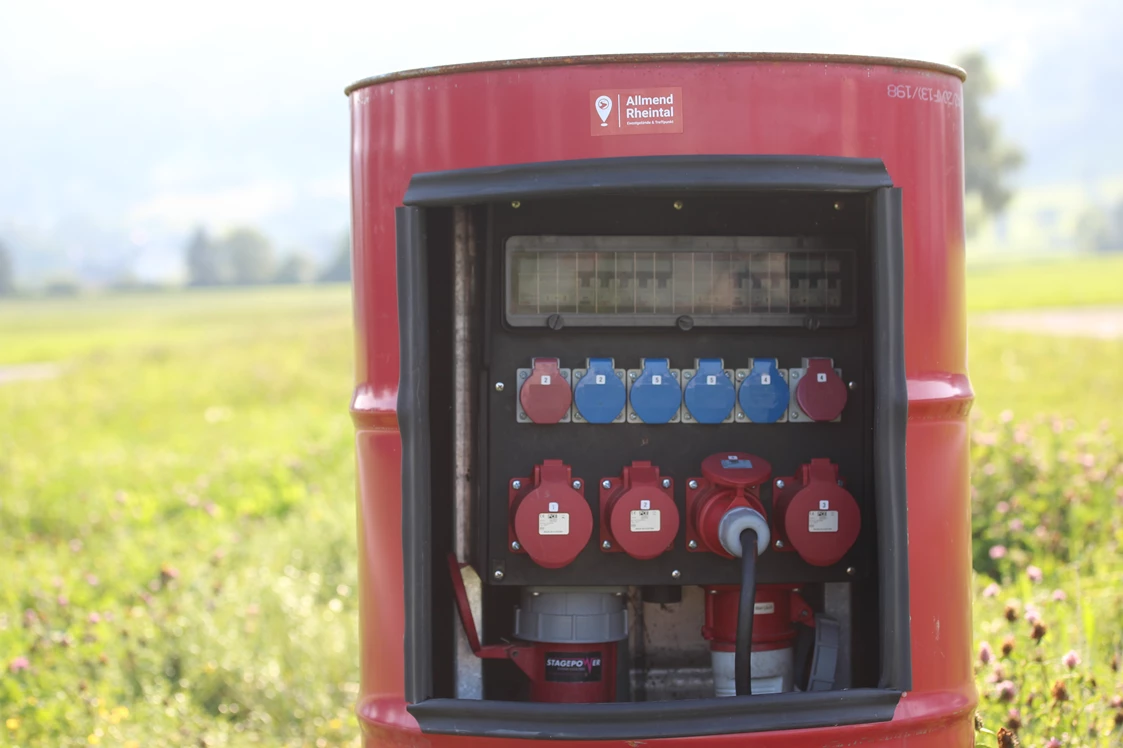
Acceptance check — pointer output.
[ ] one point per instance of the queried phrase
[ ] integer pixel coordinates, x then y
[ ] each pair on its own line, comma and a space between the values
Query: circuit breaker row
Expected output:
812, 513
657, 394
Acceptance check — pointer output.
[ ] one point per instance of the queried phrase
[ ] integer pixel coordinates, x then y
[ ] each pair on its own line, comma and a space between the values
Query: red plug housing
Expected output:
545, 395
638, 513
729, 480
549, 518
814, 515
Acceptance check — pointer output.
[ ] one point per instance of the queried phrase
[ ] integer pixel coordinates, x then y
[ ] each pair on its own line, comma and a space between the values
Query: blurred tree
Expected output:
989, 159
206, 265
296, 268
339, 270
250, 255
7, 272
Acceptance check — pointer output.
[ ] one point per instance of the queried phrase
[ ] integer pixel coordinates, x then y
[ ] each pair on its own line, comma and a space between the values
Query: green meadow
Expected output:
178, 561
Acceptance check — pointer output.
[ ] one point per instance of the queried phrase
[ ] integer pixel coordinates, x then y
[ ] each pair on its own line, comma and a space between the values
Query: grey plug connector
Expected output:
736, 521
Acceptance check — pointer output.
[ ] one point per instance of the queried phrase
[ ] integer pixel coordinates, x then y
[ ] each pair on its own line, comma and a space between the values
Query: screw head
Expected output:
577, 484
688, 374
498, 574
606, 545
666, 483
632, 375
686, 417
516, 484
676, 574
523, 375
851, 571
693, 484
840, 482
516, 204
779, 544
852, 385
515, 546
606, 484
740, 416
692, 545
633, 417
838, 205
678, 204
795, 415
498, 386
779, 484
740, 375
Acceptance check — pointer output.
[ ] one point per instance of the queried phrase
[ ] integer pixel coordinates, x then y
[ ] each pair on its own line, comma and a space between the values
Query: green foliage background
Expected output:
177, 521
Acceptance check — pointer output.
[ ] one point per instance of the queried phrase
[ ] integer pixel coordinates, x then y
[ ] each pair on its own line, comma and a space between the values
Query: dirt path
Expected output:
1103, 322
23, 372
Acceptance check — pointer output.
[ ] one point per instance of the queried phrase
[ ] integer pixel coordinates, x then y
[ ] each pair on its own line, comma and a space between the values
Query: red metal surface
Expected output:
815, 489
639, 489
908, 116
778, 608
821, 393
550, 491
721, 489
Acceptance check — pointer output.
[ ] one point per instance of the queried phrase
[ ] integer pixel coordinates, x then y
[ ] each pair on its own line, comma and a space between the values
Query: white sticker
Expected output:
657, 379
774, 684
763, 609
644, 504
766, 379
711, 379
645, 520
553, 524
820, 377
824, 504
600, 379
545, 379
822, 522
553, 507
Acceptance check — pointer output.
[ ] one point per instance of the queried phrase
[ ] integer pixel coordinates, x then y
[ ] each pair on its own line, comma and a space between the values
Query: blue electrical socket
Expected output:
709, 392
764, 393
655, 395
599, 395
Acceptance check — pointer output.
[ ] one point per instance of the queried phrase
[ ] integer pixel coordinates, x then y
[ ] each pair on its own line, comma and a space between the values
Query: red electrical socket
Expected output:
813, 515
821, 393
638, 515
729, 480
550, 520
546, 395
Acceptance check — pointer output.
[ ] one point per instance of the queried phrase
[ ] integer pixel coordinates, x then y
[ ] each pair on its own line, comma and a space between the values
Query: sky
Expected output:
141, 119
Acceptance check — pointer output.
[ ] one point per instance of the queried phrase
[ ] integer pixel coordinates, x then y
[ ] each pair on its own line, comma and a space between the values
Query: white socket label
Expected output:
822, 522
766, 379
657, 379
601, 379
553, 506
645, 520
820, 377
553, 523
763, 609
711, 379
545, 379
824, 505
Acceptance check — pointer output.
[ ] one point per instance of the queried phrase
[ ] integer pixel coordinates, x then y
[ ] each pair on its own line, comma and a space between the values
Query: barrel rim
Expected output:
617, 59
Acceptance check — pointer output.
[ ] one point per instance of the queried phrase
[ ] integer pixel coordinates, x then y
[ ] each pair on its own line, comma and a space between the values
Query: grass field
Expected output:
177, 524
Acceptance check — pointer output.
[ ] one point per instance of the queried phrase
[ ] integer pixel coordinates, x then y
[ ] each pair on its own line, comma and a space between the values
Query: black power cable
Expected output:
744, 652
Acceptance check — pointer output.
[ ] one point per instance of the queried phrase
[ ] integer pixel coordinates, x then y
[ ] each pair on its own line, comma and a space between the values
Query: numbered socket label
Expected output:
545, 394
763, 395
818, 393
654, 392
599, 392
708, 392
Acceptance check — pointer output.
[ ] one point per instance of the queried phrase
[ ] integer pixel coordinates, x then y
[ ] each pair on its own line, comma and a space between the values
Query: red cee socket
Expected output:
546, 394
730, 479
550, 519
638, 512
814, 516
821, 393
775, 609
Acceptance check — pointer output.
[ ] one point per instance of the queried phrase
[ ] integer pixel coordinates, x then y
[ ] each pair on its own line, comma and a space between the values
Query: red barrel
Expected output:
906, 114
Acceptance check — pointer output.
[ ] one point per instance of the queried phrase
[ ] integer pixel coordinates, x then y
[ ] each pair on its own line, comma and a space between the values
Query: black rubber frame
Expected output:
679, 175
